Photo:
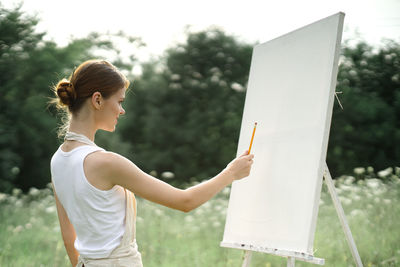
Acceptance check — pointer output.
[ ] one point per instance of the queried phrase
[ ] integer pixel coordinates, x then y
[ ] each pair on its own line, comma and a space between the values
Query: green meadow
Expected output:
30, 234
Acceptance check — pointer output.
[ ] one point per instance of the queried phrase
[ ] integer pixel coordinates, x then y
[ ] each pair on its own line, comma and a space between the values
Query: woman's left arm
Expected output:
67, 232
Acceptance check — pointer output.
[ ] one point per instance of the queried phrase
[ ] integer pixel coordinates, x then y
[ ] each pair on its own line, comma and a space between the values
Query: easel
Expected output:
291, 257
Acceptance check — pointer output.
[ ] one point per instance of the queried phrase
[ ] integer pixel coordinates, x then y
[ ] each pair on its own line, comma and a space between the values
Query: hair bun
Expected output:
66, 92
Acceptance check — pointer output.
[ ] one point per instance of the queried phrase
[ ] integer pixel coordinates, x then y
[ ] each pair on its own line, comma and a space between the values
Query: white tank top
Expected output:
98, 216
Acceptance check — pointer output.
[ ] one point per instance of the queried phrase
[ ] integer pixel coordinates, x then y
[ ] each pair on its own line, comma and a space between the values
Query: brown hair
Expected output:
89, 77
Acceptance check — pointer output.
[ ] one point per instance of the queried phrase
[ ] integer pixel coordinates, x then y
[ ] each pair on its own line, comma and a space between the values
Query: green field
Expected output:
30, 235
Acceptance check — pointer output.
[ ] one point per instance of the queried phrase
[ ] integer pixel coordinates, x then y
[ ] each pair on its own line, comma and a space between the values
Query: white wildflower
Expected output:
379, 191
349, 180
50, 209
377, 200
214, 79
353, 73
386, 172
16, 192
41, 206
218, 207
370, 169
18, 229
19, 203
175, 77
15, 170
387, 201
216, 224
34, 191
237, 87
197, 75
215, 70
222, 83
345, 200
359, 170
167, 175
28, 226
355, 213
396, 78
388, 58
158, 212
355, 197
361, 182
223, 212
226, 191
321, 202
220, 55
230, 59
373, 183
2, 196
345, 187
175, 86
153, 173
194, 83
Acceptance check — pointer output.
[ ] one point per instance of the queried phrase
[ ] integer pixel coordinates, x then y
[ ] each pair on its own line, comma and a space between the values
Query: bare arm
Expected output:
126, 174
67, 232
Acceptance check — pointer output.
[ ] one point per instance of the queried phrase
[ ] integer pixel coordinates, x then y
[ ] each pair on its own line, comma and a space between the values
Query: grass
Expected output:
30, 235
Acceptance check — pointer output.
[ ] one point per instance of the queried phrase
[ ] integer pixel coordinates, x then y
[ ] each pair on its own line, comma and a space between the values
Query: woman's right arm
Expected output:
67, 231
126, 174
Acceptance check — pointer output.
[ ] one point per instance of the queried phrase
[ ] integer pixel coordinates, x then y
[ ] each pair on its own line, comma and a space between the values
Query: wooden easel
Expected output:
292, 256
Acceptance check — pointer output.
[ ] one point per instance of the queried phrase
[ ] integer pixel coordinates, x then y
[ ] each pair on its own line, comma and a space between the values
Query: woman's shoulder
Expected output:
105, 161
101, 167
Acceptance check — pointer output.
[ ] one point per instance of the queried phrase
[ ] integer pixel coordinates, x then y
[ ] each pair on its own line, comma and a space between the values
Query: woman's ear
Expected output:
97, 100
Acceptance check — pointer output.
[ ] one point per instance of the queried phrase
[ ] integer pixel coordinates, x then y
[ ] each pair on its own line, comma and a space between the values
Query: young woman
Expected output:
94, 189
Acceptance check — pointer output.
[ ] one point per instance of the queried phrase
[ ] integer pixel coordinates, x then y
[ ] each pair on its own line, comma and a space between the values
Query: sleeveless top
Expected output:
98, 216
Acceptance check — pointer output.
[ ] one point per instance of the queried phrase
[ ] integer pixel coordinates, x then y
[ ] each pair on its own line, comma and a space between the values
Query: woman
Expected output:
94, 188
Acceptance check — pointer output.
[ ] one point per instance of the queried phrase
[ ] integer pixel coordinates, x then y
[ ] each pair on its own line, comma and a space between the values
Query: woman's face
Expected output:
110, 110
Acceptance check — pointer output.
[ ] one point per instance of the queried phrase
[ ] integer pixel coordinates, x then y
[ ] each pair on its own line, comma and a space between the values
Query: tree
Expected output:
29, 66
186, 116
367, 131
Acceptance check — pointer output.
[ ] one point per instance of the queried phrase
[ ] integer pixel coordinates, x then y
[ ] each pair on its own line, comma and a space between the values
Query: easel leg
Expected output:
342, 217
290, 262
247, 259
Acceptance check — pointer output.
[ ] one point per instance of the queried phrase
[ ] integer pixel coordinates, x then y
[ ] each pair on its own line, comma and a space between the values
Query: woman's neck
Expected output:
85, 127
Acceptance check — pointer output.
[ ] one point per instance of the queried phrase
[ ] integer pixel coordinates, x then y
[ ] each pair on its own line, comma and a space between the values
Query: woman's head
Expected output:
90, 77
96, 84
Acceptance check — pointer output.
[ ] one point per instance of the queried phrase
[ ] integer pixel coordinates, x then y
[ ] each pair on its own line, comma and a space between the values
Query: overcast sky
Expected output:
161, 23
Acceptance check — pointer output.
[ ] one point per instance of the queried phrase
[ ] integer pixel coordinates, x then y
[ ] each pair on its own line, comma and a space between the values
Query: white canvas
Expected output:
290, 95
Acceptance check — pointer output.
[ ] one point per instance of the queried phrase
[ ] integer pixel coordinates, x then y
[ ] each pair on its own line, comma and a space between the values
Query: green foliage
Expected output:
367, 131
186, 113
29, 66
30, 234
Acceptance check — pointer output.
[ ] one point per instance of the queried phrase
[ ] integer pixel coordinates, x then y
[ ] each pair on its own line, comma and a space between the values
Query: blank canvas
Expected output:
290, 95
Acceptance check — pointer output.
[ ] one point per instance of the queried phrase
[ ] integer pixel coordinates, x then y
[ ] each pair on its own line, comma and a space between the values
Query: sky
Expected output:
161, 24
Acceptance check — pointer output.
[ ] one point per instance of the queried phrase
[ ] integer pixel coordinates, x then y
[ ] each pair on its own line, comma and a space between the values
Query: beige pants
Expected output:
126, 254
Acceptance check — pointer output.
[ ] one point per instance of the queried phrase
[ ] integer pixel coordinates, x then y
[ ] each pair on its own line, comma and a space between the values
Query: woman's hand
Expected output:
240, 167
